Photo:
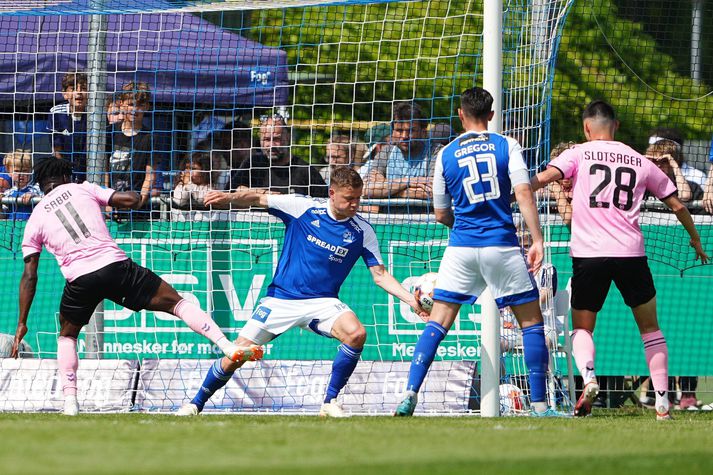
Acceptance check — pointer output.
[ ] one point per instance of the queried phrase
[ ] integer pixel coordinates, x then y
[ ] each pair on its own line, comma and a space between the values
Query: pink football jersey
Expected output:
69, 222
610, 179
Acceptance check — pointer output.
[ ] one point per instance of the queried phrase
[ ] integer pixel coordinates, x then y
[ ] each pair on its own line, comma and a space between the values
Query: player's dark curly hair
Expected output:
52, 170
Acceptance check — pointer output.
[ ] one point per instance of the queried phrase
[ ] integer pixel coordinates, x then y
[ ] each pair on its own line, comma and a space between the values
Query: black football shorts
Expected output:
592, 277
124, 282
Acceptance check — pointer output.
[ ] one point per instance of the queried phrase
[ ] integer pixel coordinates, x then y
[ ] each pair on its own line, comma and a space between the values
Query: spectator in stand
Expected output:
404, 168
208, 124
218, 164
562, 190
341, 150
131, 165
377, 137
5, 178
113, 111
708, 187
19, 165
241, 142
161, 131
668, 157
68, 124
194, 182
274, 168
691, 173
217, 144
441, 134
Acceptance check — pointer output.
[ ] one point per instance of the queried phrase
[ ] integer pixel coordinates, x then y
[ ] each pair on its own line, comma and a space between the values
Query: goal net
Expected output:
200, 84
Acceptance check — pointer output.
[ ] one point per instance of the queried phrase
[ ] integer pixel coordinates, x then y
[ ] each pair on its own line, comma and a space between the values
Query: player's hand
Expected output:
535, 256
708, 202
700, 253
213, 198
19, 335
26, 198
416, 306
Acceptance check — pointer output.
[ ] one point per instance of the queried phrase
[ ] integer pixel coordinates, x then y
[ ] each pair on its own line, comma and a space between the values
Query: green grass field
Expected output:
609, 442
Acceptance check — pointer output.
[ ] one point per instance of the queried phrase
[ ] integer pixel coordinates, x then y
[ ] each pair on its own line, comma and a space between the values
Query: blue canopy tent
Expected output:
186, 60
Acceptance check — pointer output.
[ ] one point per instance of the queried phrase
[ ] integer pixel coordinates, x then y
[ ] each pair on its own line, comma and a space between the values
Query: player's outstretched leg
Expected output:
583, 351
423, 356
167, 300
67, 364
201, 323
349, 330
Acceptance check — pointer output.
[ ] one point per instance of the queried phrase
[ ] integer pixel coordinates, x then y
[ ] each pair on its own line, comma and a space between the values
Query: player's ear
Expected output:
491, 115
460, 114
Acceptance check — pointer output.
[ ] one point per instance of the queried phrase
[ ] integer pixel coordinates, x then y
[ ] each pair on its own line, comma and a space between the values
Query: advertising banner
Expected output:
226, 267
290, 386
33, 385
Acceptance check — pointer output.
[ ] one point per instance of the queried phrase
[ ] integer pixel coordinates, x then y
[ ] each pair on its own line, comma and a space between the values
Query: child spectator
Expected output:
19, 165
114, 114
194, 182
68, 124
131, 160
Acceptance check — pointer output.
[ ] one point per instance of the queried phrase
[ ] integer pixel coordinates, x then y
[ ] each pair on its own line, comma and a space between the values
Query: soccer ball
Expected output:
423, 290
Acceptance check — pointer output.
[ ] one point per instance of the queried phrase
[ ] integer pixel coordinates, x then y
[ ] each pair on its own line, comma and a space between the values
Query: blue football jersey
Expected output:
475, 174
319, 250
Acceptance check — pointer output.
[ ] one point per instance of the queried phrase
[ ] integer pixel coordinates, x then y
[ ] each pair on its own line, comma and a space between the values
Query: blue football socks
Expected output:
342, 368
536, 359
424, 353
214, 380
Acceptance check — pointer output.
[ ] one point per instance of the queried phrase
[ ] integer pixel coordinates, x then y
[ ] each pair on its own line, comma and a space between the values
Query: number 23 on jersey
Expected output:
489, 178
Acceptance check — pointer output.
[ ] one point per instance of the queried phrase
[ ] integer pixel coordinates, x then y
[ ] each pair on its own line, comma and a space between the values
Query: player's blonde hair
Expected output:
345, 177
18, 161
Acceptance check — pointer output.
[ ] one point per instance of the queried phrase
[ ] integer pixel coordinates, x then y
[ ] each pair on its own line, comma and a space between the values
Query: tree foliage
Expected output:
352, 62
631, 70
